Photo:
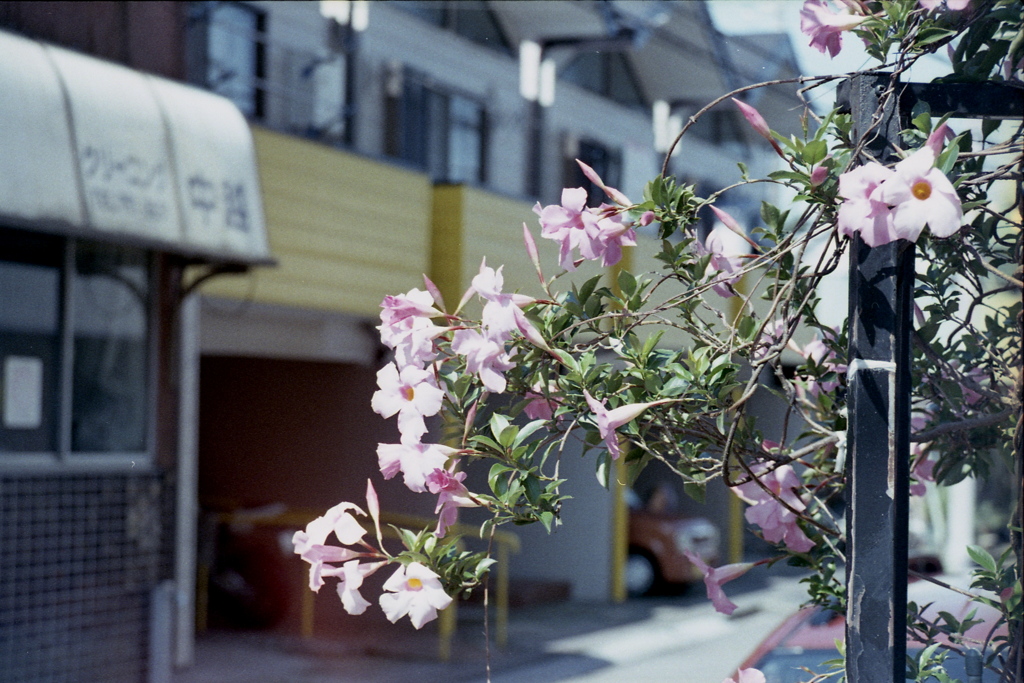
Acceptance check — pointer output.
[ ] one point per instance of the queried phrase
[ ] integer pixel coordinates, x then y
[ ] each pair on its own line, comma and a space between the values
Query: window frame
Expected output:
202, 18
63, 457
604, 65
611, 173
413, 141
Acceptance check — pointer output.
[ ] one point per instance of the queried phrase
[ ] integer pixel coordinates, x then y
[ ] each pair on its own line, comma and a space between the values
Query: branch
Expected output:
961, 425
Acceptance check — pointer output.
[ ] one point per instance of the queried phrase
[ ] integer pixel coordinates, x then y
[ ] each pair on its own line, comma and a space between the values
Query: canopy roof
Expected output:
93, 149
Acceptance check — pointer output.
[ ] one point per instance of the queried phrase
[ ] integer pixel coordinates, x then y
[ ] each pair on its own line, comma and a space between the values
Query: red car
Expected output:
807, 639
658, 536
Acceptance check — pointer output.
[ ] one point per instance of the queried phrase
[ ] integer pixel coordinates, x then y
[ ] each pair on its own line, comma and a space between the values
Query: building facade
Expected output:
385, 141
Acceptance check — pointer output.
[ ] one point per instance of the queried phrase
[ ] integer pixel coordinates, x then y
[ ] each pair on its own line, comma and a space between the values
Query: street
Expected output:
677, 638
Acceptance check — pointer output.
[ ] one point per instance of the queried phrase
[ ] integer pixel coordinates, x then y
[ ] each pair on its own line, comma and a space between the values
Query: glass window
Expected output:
74, 347
442, 132
466, 140
606, 162
30, 345
234, 54
586, 70
608, 74
109, 318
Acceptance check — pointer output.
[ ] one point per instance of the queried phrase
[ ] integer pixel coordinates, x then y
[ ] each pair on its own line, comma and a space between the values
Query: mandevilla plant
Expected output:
584, 361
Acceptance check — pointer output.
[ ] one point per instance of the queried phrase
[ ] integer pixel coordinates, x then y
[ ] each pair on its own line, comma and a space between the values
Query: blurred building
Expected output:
354, 145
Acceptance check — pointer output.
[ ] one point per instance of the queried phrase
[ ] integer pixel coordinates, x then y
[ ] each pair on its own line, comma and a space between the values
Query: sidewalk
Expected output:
671, 638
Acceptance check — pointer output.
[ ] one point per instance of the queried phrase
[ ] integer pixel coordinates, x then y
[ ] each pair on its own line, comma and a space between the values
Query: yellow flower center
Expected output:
414, 584
408, 393
922, 190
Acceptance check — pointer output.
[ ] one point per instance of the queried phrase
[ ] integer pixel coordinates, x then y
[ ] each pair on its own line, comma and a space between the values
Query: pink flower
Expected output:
539, 407
923, 469
771, 334
413, 340
818, 175
452, 495
412, 393
825, 27
502, 314
597, 233
921, 194
415, 461
416, 591
350, 579
414, 303
714, 577
923, 472
605, 234
864, 210
967, 381
747, 676
564, 224
725, 258
822, 355
610, 420
310, 544
613, 194
757, 122
406, 326
485, 358
777, 521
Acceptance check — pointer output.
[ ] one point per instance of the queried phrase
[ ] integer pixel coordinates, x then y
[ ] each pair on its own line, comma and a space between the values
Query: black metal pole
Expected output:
881, 303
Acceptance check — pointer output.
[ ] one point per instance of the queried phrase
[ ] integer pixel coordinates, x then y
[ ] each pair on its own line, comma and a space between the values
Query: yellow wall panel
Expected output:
344, 229
471, 224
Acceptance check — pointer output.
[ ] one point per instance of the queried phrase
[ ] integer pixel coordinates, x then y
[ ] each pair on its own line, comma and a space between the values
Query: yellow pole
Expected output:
736, 526
501, 597
446, 622
620, 532
620, 511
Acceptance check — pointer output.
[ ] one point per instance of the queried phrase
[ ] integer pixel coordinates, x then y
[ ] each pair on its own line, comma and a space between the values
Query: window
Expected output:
440, 131
471, 19
608, 74
606, 162
722, 127
74, 347
228, 54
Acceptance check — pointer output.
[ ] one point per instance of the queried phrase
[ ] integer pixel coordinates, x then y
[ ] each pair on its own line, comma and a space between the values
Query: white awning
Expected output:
93, 149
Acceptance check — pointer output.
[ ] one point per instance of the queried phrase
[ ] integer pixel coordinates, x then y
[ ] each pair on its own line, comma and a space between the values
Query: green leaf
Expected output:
499, 423
989, 126
747, 328
533, 489
695, 490
527, 430
770, 215
787, 175
627, 283
547, 518
814, 152
650, 343
497, 482
982, 558
923, 121
508, 436
932, 34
